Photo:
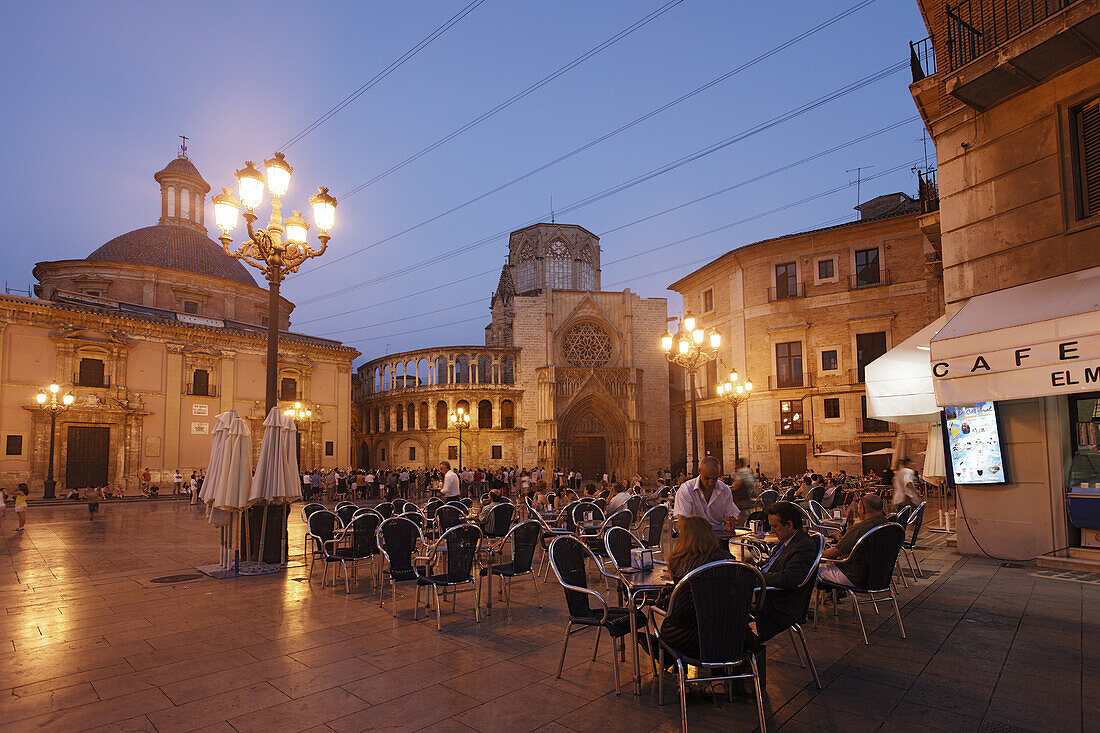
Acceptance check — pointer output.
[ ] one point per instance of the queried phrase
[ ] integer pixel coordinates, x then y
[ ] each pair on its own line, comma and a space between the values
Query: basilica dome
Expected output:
176, 247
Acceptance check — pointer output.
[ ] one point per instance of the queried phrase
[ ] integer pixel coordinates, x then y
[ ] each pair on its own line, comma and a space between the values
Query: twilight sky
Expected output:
97, 93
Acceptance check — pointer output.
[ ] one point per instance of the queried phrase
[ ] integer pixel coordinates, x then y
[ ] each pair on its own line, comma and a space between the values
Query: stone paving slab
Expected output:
87, 641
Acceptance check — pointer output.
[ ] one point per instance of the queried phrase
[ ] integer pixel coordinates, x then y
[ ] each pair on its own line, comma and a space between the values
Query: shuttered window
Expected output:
1087, 129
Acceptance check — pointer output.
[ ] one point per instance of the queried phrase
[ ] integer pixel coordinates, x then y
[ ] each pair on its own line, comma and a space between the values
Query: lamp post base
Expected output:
49, 487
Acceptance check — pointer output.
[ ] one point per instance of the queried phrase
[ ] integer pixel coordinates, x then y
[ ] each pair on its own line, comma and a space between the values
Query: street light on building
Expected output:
734, 392
53, 403
266, 249
460, 420
690, 348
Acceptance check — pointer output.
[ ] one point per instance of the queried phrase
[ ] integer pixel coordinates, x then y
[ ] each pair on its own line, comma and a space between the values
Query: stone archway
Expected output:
592, 438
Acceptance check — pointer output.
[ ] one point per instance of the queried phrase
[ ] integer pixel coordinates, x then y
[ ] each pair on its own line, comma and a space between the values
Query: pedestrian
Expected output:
21, 506
194, 488
3, 507
178, 483
92, 496
146, 481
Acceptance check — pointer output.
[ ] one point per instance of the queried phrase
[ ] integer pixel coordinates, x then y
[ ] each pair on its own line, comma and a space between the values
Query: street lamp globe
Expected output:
250, 183
324, 209
689, 322
278, 174
41, 398
666, 342
226, 211
67, 399
54, 388
715, 338
296, 228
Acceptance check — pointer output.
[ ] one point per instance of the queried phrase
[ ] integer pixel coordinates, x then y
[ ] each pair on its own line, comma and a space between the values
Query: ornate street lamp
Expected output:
300, 414
690, 348
52, 403
734, 393
460, 420
266, 249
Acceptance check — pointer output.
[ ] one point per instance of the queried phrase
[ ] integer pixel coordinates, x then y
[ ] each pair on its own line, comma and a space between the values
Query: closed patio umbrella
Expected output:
881, 452
276, 480
226, 487
217, 448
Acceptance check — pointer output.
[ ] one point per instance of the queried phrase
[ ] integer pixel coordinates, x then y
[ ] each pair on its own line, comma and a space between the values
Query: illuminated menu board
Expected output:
974, 444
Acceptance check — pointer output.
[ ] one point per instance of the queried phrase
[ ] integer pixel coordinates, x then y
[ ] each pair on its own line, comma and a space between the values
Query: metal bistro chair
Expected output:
398, 539
459, 548
909, 548
586, 511
722, 594
322, 528
346, 510
307, 510
499, 521
768, 497
567, 556
430, 508
805, 595
634, 504
447, 516
652, 527
524, 538
618, 542
363, 545
416, 518
549, 533
385, 508
879, 548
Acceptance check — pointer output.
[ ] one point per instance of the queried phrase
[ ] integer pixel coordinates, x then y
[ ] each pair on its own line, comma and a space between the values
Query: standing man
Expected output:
177, 481
707, 497
370, 484
905, 488
403, 480
146, 481
450, 488
194, 488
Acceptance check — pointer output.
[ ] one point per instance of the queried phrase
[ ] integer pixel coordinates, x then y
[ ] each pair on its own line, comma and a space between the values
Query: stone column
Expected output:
342, 453
227, 381
172, 402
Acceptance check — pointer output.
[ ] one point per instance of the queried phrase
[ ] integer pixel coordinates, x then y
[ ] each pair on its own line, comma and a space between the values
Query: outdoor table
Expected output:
637, 583
591, 525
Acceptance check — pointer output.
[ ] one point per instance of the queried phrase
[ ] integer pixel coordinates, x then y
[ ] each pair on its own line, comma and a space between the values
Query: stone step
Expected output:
1085, 559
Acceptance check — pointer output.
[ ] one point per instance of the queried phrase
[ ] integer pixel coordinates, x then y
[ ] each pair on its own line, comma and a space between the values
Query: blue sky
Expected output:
96, 95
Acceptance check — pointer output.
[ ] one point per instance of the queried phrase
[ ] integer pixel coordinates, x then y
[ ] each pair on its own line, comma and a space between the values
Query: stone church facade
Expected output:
570, 376
155, 333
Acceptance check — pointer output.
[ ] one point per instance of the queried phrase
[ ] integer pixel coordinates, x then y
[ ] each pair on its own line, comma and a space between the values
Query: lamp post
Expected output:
690, 348
460, 420
265, 249
734, 393
299, 414
52, 403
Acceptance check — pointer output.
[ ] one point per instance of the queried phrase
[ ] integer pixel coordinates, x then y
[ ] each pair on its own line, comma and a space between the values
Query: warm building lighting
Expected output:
685, 346
666, 342
54, 388
715, 339
41, 398
689, 322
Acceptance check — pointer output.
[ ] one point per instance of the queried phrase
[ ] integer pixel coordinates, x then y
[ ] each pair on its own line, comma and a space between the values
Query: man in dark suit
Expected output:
785, 570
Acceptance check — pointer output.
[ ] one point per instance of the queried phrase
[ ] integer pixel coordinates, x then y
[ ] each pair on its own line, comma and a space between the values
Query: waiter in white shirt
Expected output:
707, 497
450, 488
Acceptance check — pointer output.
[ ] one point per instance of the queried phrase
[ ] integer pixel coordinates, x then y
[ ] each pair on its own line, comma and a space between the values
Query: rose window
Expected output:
586, 345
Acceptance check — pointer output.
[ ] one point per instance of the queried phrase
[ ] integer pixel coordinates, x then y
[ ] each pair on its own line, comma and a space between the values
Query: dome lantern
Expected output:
182, 193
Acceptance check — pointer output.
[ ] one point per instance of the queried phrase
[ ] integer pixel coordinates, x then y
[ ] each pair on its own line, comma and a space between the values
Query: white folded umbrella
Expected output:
235, 479
217, 449
277, 480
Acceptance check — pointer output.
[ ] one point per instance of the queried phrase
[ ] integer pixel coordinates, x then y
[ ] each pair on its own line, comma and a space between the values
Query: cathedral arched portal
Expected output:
592, 438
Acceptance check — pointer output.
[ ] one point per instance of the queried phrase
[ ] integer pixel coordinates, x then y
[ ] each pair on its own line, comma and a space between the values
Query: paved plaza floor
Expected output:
89, 642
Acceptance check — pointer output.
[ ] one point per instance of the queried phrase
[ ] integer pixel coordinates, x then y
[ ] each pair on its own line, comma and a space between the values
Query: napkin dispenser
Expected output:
641, 558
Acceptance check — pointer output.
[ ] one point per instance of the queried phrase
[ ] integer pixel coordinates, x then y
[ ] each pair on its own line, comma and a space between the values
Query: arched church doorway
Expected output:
589, 456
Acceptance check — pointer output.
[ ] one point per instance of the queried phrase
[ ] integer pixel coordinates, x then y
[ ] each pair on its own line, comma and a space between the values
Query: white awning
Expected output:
899, 383
1032, 340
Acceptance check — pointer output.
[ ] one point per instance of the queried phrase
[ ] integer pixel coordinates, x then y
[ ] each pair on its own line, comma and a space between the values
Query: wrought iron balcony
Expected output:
869, 280
922, 58
797, 290
794, 381
975, 27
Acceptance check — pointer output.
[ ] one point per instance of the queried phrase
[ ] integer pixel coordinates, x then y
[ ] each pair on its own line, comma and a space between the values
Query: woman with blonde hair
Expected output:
696, 546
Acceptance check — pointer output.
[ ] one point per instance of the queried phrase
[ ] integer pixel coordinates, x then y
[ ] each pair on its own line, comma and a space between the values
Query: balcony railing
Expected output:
797, 381
871, 425
798, 430
869, 280
975, 27
922, 58
798, 290
209, 390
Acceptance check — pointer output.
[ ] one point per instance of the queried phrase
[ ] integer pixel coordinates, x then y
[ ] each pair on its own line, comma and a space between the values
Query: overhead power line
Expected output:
603, 138
698, 154
727, 189
730, 225
382, 74
517, 97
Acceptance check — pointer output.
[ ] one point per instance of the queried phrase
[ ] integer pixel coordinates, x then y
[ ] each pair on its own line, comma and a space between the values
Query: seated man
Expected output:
485, 516
785, 569
707, 497
619, 497
868, 515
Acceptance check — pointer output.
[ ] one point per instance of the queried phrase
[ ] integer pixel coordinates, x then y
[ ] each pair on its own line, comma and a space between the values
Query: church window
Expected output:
588, 270
200, 383
185, 202
526, 269
440, 415
288, 390
171, 200
586, 345
507, 374
92, 373
452, 452
485, 414
498, 452
559, 266
190, 306
507, 414
330, 448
